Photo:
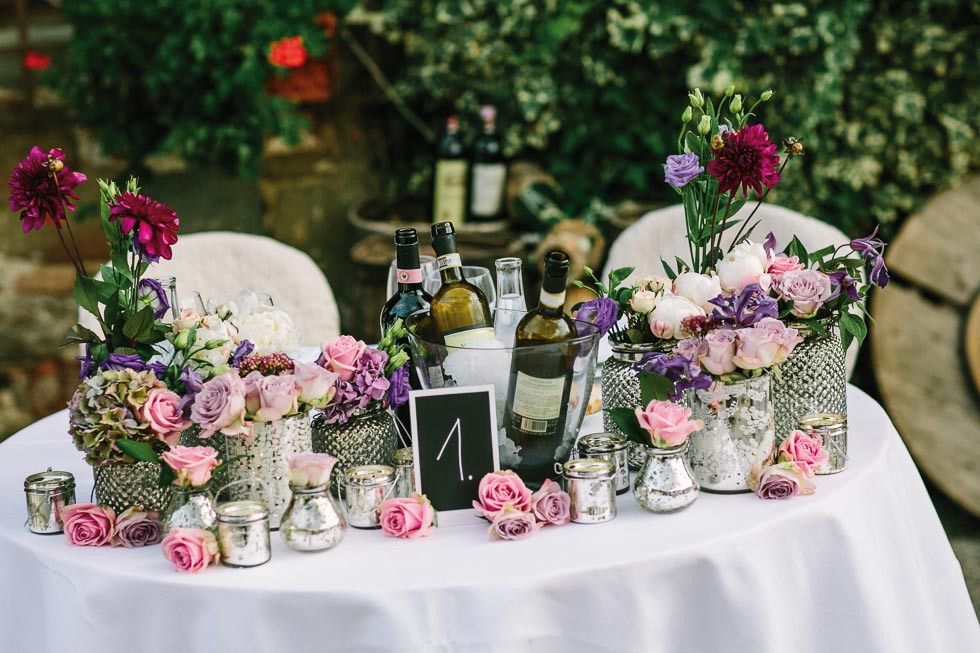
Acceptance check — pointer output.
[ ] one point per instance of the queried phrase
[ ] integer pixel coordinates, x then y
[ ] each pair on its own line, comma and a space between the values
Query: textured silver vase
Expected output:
813, 379
265, 457
665, 482
621, 389
313, 521
738, 433
190, 508
368, 438
125, 485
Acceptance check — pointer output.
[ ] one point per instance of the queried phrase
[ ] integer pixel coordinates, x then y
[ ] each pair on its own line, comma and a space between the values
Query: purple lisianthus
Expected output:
85, 360
746, 308
41, 187
603, 312
682, 168
151, 290
400, 386
244, 348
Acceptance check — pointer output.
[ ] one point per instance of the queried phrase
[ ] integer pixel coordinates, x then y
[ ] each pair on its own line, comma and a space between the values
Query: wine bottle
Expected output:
511, 306
460, 311
541, 377
449, 176
489, 174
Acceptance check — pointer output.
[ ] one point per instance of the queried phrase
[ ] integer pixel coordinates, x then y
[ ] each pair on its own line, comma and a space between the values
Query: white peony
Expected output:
744, 265
665, 320
212, 328
699, 288
271, 330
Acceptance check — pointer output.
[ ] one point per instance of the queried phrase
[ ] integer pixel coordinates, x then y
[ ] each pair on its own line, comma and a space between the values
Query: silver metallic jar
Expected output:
190, 507
590, 484
610, 447
365, 487
313, 521
403, 462
832, 430
666, 483
243, 533
47, 493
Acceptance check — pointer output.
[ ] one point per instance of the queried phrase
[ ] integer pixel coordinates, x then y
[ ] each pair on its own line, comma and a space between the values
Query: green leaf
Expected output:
138, 322
670, 273
221, 467
796, 248
654, 386
167, 475
138, 450
79, 334
617, 276
681, 265
120, 263
854, 325
626, 421
86, 294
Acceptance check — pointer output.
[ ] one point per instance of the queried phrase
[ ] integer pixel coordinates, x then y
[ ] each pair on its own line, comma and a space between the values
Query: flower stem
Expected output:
721, 231
757, 205
74, 262
711, 240
80, 266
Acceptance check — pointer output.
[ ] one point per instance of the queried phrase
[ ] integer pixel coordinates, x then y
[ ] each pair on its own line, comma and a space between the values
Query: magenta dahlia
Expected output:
747, 160
154, 225
41, 187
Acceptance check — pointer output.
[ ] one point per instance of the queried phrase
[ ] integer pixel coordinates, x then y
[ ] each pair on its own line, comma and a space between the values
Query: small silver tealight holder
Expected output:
47, 493
590, 484
611, 447
365, 487
403, 461
243, 533
832, 429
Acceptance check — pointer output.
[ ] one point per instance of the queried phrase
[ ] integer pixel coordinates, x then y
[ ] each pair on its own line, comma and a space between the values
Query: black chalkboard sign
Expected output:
454, 434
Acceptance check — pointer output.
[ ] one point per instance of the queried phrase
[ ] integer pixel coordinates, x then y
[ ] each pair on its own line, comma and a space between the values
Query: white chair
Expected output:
661, 234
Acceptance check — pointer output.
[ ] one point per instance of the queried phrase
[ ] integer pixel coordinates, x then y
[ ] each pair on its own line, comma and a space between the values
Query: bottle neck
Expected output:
552, 303
409, 269
450, 267
509, 279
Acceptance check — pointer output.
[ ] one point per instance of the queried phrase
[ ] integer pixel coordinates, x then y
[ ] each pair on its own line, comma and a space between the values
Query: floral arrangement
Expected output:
88, 524
792, 474
407, 518
514, 512
366, 375
661, 424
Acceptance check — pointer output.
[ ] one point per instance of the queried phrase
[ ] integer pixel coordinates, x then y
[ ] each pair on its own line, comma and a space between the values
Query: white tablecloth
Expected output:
863, 565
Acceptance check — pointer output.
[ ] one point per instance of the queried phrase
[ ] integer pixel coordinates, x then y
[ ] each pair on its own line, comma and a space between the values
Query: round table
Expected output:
862, 565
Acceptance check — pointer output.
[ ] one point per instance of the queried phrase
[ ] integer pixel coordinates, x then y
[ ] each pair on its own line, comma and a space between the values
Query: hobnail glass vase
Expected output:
621, 389
665, 482
313, 521
738, 433
124, 485
368, 438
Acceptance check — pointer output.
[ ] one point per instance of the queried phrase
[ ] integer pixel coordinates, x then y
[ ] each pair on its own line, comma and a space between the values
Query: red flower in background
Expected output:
153, 224
42, 186
34, 60
288, 52
748, 159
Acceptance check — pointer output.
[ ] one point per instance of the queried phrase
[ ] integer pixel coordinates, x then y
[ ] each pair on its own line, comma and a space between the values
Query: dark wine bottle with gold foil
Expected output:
541, 376
460, 312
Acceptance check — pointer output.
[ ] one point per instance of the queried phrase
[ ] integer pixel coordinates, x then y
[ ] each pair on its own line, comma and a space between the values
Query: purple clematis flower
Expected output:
769, 244
841, 281
86, 361
879, 273
603, 312
132, 362
869, 245
746, 308
244, 348
151, 290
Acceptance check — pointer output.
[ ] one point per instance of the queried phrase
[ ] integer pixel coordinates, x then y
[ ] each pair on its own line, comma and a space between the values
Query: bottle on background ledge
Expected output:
450, 176
460, 311
488, 172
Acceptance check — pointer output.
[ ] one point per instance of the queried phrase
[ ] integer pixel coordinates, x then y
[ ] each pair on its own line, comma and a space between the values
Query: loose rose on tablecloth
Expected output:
666, 423
192, 465
407, 518
137, 528
87, 524
783, 480
510, 523
550, 504
190, 550
498, 489
310, 470
804, 448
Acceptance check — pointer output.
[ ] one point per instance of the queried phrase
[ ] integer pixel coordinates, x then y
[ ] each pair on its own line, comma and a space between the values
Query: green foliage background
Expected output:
170, 75
884, 94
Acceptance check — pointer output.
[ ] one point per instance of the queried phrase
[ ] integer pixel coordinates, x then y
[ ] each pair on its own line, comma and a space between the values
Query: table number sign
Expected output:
454, 434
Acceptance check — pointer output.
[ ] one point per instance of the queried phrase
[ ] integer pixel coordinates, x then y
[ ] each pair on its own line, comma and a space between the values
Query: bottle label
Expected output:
451, 260
449, 202
552, 300
488, 188
537, 403
463, 337
409, 276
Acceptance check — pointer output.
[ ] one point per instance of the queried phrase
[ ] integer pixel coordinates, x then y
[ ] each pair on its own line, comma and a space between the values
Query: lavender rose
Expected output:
718, 352
807, 289
316, 385
550, 504
220, 406
512, 524
278, 397
682, 168
781, 481
136, 528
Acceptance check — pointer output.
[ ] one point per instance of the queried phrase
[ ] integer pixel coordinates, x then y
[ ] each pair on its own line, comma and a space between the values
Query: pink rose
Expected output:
766, 344
498, 489
512, 524
310, 469
550, 504
136, 528
192, 465
87, 524
162, 412
718, 353
781, 264
253, 402
220, 406
341, 355
807, 289
780, 481
278, 395
668, 423
316, 385
804, 448
190, 549
407, 518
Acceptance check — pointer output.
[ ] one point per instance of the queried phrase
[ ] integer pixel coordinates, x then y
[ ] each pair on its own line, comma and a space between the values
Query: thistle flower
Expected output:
41, 187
